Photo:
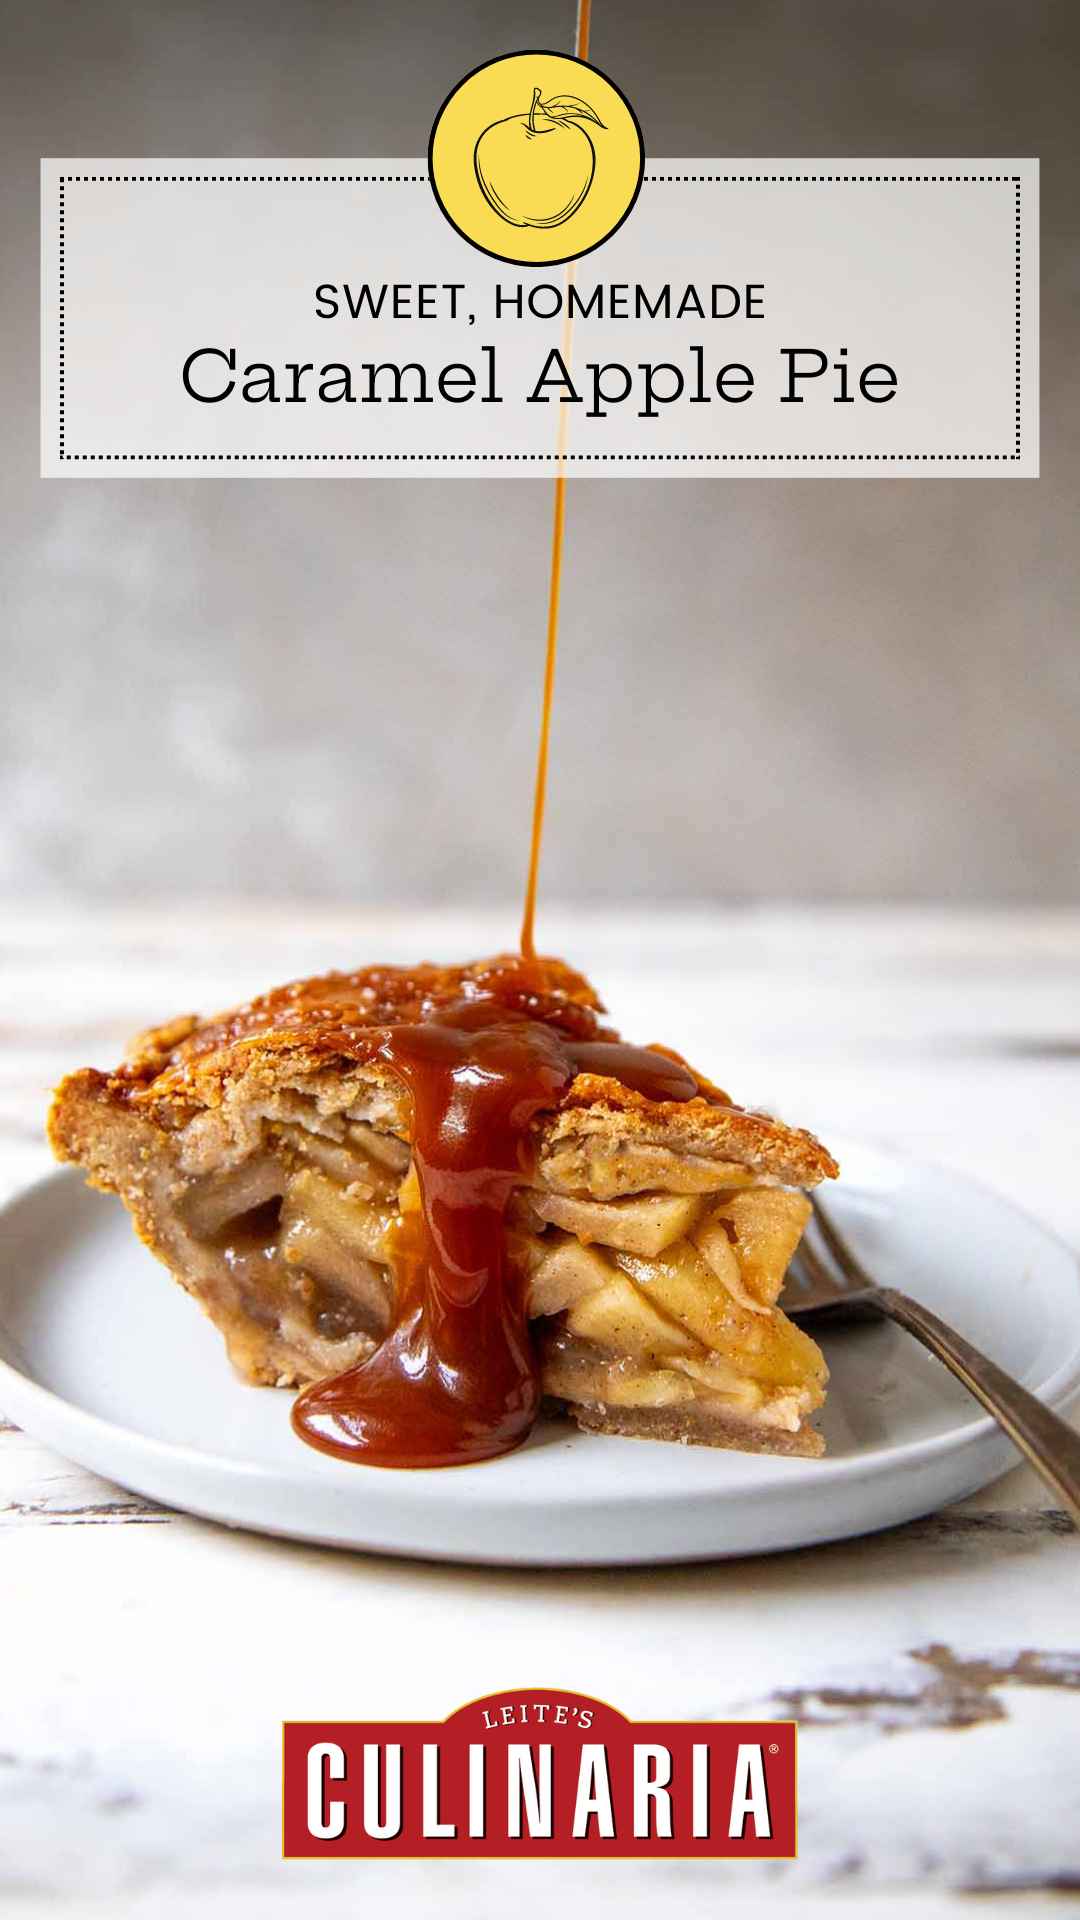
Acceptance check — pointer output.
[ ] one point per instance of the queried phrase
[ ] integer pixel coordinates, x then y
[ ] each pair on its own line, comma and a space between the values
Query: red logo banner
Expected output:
539, 1774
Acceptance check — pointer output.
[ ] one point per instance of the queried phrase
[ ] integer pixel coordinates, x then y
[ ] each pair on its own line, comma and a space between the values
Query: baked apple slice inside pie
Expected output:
436, 1197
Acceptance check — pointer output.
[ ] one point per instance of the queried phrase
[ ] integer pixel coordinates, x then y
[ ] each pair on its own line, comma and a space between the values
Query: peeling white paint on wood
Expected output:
147, 1658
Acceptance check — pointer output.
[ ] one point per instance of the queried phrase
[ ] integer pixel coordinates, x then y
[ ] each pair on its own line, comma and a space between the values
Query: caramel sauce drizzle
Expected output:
456, 1379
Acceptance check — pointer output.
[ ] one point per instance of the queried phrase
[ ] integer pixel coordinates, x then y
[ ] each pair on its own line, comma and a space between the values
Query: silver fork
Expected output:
824, 1292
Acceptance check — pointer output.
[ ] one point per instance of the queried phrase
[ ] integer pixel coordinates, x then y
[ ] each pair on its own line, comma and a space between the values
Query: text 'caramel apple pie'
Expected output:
435, 1198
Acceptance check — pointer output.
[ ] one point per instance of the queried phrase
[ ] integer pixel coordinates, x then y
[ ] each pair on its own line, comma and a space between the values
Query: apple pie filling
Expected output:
643, 1302
288, 1248
669, 1301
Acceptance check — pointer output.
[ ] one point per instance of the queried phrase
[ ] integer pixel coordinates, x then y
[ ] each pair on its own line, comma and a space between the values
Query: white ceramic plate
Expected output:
105, 1359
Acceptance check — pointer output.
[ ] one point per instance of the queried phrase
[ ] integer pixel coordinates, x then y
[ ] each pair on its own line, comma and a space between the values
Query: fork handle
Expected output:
1051, 1445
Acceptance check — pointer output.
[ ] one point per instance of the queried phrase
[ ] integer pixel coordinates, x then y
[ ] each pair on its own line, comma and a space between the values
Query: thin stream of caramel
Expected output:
528, 941
528, 922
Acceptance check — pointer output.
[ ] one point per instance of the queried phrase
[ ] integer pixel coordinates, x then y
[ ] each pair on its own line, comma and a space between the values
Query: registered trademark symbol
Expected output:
774, 1748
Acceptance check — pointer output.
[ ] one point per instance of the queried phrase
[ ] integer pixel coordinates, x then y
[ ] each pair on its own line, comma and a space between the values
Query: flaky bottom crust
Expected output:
691, 1427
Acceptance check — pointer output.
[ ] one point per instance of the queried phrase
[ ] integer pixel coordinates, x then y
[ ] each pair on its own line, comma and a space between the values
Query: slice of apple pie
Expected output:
442, 1194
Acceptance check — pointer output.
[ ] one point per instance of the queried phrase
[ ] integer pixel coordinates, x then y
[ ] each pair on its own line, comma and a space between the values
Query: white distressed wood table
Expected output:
147, 1659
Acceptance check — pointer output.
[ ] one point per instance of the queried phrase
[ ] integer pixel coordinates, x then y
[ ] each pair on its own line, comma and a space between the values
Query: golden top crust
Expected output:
346, 1015
335, 1024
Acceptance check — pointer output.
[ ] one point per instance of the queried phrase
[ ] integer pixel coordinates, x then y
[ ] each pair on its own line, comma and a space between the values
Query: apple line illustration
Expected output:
535, 169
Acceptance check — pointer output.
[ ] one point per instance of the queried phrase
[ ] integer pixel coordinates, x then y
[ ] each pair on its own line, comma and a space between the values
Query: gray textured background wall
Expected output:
780, 688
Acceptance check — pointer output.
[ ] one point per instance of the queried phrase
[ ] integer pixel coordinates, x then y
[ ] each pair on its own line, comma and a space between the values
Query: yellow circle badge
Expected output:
536, 158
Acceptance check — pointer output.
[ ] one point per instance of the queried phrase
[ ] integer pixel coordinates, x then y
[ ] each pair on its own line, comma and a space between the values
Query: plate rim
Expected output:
1057, 1391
